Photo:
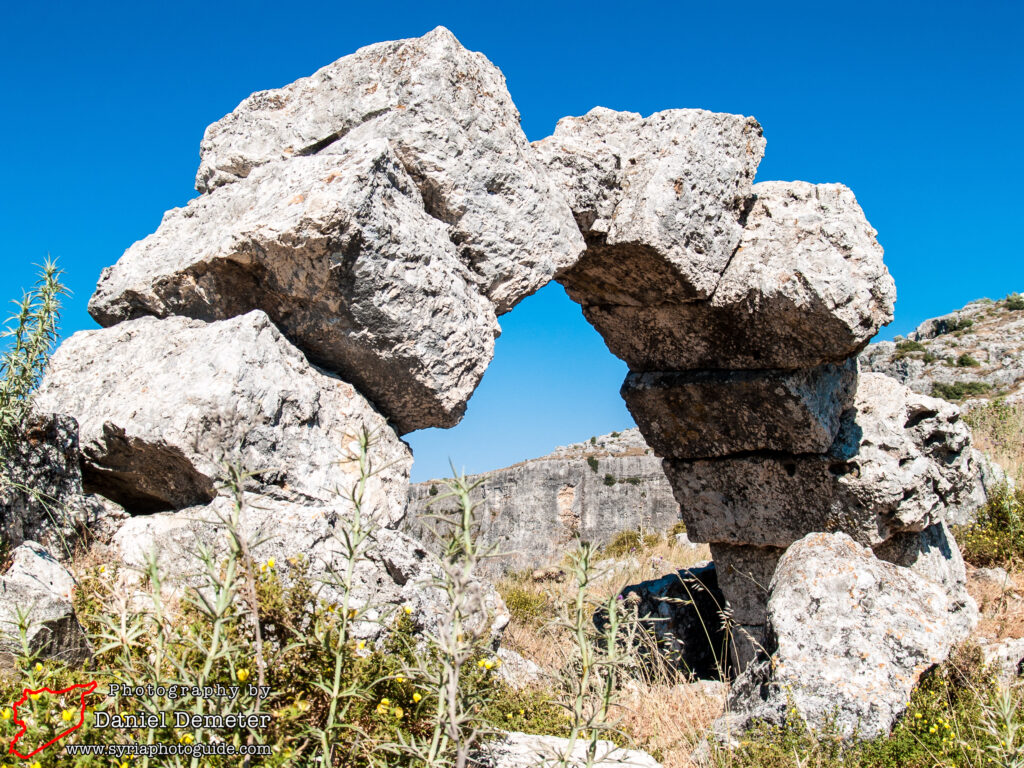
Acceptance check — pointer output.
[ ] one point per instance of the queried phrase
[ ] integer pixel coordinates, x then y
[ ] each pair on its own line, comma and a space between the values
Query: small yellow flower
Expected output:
509, 715
36, 764
400, 679
39, 667
124, 764
352, 613
103, 569
385, 702
522, 711
34, 696
407, 609
67, 715
361, 645
416, 697
480, 663
488, 664
187, 739
398, 712
933, 729
271, 562
917, 715
6, 714
242, 675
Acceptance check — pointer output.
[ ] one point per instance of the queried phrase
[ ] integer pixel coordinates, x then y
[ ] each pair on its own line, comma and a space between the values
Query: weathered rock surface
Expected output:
524, 750
339, 251
691, 267
1005, 658
745, 575
974, 353
41, 496
849, 635
448, 116
934, 555
704, 414
901, 462
396, 572
665, 192
39, 585
163, 403
534, 511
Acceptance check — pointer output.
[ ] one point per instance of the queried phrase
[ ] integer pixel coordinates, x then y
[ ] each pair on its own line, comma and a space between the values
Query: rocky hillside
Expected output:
534, 510
975, 352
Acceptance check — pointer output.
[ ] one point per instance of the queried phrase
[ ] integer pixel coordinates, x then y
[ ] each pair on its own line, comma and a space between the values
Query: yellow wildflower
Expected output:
407, 609
6, 714
242, 675
34, 696
416, 697
271, 563
39, 667
67, 715
398, 712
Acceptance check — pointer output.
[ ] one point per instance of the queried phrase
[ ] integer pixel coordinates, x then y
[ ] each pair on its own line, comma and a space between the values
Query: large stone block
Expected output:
163, 404
849, 636
449, 117
901, 462
704, 414
340, 253
806, 285
659, 200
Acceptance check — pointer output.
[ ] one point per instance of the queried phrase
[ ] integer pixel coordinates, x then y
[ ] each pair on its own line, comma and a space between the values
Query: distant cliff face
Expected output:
534, 510
975, 352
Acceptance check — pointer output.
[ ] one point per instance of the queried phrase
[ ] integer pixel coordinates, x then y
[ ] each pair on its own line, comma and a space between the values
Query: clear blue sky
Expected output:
916, 106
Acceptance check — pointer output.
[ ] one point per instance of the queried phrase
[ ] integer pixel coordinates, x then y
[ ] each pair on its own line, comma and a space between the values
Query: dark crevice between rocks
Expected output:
144, 477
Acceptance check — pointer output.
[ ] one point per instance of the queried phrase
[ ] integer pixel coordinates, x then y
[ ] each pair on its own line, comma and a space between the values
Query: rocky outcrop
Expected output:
975, 353
382, 212
901, 462
41, 495
534, 511
397, 572
849, 636
40, 588
525, 750
163, 405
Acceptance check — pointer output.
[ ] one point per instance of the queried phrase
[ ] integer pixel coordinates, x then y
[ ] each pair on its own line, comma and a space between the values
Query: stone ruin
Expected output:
357, 236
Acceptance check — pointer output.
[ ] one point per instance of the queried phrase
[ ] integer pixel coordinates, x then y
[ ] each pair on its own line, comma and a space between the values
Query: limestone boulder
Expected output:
449, 118
849, 636
806, 285
901, 462
704, 414
341, 254
658, 199
163, 405
525, 750
397, 571
39, 587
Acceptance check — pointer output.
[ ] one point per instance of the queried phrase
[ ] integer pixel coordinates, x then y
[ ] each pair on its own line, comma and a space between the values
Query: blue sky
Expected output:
916, 106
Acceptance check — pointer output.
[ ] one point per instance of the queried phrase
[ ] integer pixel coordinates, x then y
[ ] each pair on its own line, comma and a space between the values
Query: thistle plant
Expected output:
31, 332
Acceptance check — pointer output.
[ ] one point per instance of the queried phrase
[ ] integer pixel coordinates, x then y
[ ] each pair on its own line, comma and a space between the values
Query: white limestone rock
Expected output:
339, 251
901, 462
849, 636
524, 750
162, 404
396, 573
449, 118
41, 587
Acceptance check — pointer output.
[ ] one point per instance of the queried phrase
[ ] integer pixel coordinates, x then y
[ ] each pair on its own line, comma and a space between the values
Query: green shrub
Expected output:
1015, 302
592, 463
960, 389
996, 537
929, 357
951, 721
678, 527
966, 361
31, 333
525, 605
609, 479
954, 325
905, 348
627, 542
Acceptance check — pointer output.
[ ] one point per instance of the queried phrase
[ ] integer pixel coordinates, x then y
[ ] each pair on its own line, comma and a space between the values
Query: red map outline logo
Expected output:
87, 688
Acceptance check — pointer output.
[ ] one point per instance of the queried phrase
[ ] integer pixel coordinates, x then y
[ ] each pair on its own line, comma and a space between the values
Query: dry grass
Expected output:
999, 432
669, 721
1001, 605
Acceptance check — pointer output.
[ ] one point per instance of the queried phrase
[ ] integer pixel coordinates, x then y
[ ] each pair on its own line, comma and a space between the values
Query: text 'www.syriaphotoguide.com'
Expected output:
166, 750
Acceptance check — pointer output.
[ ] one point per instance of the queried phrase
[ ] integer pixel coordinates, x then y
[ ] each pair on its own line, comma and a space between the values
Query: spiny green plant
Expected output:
31, 333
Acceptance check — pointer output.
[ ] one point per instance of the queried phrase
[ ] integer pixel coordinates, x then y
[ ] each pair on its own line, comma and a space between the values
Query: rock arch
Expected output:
379, 216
